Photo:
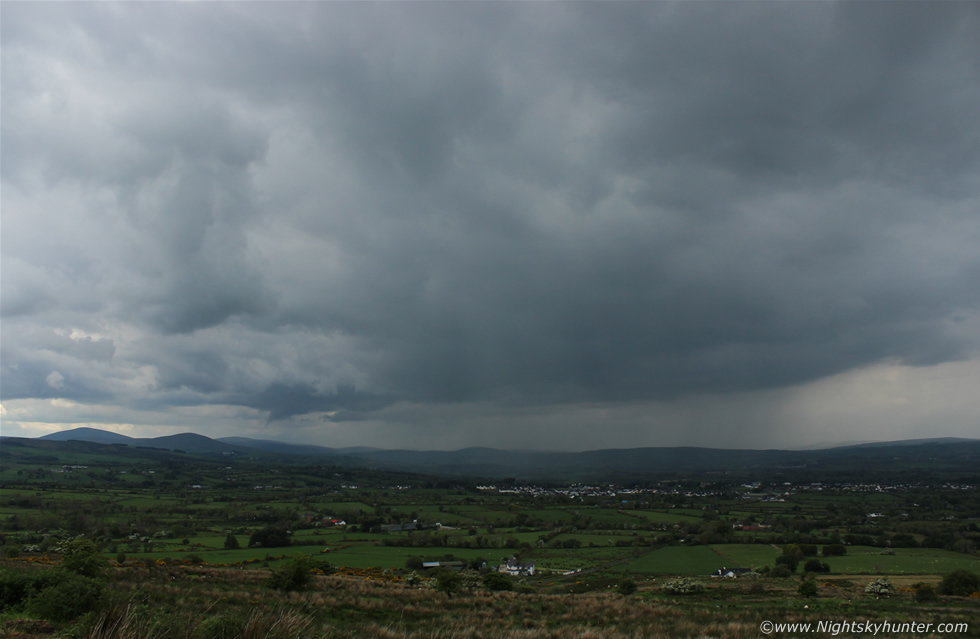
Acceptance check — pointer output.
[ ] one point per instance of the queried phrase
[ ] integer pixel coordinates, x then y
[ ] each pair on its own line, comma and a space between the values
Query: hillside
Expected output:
958, 458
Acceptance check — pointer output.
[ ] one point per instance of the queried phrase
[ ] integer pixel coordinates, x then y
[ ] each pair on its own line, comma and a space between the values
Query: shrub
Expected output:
683, 586
808, 588
924, 592
449, 582
960, 583
815, 565
82, 557
218, 628
293, 574
789, 561
497, 581
881, 587
71, 596
471, 579
269, 537
17, 585
834, 550
231, 542
794, 551
780, 572
626, 587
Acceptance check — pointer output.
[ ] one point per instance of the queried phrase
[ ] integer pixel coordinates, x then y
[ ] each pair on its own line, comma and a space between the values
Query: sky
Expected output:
548, 226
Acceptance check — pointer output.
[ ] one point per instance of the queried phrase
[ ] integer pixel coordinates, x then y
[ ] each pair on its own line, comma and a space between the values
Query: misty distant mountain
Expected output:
187, 442
294, 449
953, 453
90, 435
911, 442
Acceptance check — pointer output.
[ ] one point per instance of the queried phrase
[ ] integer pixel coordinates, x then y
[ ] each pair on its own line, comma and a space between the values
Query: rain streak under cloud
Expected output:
540, 225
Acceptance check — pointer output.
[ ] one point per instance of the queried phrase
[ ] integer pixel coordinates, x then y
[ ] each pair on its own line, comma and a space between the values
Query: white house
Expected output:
517, 568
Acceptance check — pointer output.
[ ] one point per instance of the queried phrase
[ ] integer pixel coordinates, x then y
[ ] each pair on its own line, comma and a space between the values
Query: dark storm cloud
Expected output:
284, 401
334, 208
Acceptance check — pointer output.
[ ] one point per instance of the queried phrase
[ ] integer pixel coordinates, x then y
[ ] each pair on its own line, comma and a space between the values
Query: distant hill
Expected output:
912, 442
187, 442
294, 449
953, 454
89, 435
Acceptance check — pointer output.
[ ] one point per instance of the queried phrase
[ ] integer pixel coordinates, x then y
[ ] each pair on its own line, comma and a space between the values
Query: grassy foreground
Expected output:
187, 602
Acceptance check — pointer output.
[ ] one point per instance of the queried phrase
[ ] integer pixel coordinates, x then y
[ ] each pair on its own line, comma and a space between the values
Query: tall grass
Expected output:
207, 603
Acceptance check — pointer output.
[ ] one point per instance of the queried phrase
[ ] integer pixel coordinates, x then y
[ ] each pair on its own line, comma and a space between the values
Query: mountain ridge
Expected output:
624, 462
100, 436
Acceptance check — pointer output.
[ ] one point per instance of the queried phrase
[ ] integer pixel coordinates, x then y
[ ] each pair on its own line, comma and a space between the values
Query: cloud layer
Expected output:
378, 215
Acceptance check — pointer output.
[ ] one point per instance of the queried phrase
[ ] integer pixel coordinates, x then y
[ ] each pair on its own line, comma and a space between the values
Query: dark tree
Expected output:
497, 581
815, 565
960, 583
626, 587
269, 537
231, 542
449, 582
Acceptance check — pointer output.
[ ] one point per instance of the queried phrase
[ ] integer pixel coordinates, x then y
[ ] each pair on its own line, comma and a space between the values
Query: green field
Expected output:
676, 560
905, 561
366, 556
668, 517
747, 555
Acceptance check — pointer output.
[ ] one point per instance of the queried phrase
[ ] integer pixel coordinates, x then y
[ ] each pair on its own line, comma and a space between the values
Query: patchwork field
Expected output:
192, 548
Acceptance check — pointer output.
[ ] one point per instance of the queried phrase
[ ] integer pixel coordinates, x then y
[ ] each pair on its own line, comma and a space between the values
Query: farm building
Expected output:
731, 573
517, 568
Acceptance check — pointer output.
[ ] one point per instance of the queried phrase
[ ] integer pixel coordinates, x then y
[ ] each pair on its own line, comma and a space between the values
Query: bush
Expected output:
834, 550
924, 592
218, 628
71, 596
808, 588
960, 583
815, 565
471, 579
793, 550
626, 587
17, 585
82, 557
497, 581
269, 537
683, 586
231, 542
292, 574
881, 587
780, 572
449, 582
789, 561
